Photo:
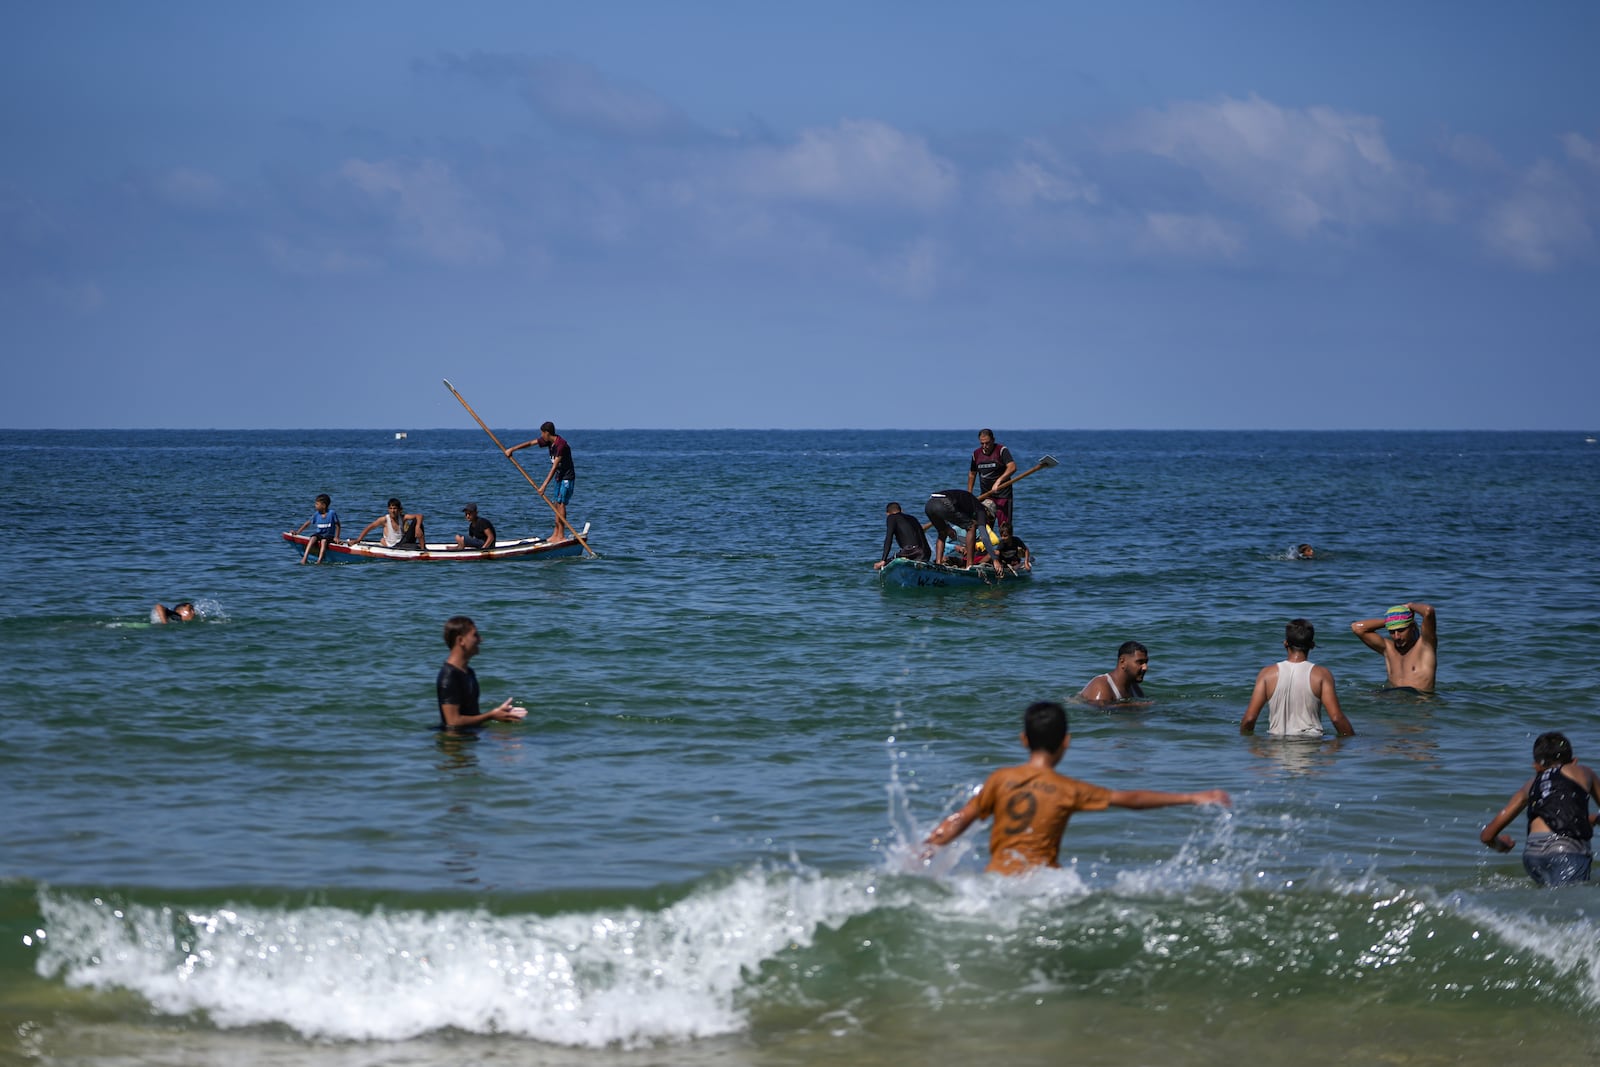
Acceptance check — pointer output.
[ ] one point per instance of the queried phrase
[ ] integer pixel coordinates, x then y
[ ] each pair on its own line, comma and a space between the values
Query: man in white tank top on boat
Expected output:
1295, 691
1123, 683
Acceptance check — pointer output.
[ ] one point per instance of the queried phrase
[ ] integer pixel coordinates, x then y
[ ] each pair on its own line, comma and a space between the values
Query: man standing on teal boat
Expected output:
992, 465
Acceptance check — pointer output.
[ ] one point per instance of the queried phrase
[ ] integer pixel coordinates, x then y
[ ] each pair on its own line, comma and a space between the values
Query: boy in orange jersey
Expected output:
1030, 803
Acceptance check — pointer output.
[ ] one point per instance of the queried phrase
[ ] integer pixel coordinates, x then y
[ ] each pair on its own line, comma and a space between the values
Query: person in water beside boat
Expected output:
992, 465
907, 533
183, 611
399, 529
325, 527
1410, 648
561, 471
1557, 851
951, 508
1031, 803
480, 531
1295, 691
457, 685
1122, 683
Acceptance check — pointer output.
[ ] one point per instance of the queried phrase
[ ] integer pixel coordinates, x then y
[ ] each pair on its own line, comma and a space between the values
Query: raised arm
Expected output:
1370, 631
1429, 625
1150, 798
1491, 835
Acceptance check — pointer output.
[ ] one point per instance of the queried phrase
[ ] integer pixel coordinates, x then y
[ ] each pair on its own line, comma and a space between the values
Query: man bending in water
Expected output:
1410, 650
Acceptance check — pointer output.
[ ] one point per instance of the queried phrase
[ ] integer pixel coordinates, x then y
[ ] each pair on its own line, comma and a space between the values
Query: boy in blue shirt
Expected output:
325, 523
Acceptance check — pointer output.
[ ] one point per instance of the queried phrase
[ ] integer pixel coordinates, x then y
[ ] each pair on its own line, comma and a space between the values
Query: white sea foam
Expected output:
611, 977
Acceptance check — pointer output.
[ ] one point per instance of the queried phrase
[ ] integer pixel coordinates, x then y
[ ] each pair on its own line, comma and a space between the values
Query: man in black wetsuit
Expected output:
904, 530
457, 685
949, 508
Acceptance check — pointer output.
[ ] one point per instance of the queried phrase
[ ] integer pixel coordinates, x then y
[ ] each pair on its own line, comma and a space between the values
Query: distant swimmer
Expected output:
399, 529
1031, 804
325, 527
183, 611
561, 471
1121, 683
1410, 650
993, 466
1304, 551
907, 533
1558, 850
457, 684
1295, 691
480, 532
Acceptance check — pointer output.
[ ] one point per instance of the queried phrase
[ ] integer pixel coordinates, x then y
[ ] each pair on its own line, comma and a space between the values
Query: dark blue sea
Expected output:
239, 841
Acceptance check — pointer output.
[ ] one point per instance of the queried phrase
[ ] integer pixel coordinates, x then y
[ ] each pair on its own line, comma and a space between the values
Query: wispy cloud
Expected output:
429, 211
575, 95
859, 162
1304, 169
1543, 221
1189, 236
1039, 175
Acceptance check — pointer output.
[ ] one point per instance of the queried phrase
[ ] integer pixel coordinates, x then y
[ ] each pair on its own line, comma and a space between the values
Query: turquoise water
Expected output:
239, 840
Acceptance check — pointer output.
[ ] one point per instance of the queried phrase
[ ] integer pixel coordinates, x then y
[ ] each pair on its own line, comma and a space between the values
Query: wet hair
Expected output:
547, 427
1128, 648
986, 432
1045, 724
324, 499
1552, 749
892, 509
1300, 634
394, 502
455, 628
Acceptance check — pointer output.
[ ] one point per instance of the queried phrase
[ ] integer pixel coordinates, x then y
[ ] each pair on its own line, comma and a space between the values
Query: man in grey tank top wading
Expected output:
1295, 691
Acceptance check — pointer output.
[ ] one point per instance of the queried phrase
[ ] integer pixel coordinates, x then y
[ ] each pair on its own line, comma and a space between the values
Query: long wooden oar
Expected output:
1048, 461
576, 535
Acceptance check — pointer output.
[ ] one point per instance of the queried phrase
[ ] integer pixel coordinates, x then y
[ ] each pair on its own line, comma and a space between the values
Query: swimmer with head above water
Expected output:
183, 611
1410, 648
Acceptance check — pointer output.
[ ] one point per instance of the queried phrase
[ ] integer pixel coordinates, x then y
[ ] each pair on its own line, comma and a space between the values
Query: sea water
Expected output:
240, 841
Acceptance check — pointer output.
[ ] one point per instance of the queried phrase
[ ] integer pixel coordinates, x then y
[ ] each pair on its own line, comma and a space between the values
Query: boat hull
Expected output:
909, 574
443, 552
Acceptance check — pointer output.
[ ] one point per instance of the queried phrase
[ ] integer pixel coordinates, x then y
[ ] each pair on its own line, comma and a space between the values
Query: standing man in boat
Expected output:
905, 530
561, 471
992, 465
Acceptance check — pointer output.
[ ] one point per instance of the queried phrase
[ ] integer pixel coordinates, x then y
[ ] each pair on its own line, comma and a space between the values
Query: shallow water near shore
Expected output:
240, 840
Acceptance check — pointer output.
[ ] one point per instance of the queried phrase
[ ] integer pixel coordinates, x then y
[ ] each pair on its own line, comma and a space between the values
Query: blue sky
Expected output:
929, 215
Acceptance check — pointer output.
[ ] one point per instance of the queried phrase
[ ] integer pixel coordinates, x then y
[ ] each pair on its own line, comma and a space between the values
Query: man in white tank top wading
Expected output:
1295, 691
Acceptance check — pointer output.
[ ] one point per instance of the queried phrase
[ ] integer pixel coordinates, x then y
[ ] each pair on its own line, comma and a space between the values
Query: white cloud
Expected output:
186, 187
577, 96
430, 211
859, 162
1190, 236
1039, 176
914, 271
1542, 222
1305, 169
1582, 150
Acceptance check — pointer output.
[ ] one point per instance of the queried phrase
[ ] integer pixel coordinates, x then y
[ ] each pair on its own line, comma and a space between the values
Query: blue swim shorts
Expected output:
560, 492
1553, 860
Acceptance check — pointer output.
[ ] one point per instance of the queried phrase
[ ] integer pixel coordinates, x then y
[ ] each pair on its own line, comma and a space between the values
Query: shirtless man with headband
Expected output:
1410, 649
